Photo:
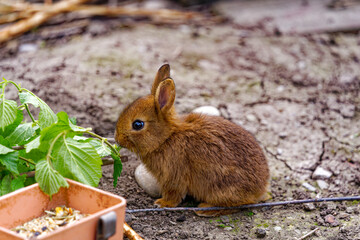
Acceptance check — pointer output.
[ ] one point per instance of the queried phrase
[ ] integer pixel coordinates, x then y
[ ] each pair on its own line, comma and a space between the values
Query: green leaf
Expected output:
73, 120
9, 129
5, 185
5, 150
21, 134
46, 115
78, 161
18, 182
10, 160
101, 148
117, 168
48, 178
35, 143
63, 125
8, 113
28, 98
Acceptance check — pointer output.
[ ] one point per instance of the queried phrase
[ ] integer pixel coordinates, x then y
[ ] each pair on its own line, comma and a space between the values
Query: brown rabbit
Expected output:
207, 157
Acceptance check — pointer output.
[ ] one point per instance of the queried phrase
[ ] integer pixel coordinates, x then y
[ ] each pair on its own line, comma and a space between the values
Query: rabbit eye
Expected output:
138, 125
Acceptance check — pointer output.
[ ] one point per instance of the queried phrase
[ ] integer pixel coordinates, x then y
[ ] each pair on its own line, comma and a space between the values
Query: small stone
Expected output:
128, 218
280, 88
279, 151
97, 28
208, 110
147, 181
227, 228
277, 228
225, 219
28, 47
343, 215
322, 184
309, 206
182, 218
250, 117
283, 135
309, 187
321, 173
260, 233
348, 111
331, 220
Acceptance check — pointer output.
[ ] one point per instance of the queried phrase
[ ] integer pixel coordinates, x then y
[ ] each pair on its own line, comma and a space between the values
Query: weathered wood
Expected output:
37, 19
130, 233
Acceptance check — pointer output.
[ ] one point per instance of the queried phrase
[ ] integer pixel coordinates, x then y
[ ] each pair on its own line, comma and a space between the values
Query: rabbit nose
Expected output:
119, 139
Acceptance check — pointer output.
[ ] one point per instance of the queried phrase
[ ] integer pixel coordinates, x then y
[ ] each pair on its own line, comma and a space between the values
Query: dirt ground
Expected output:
298, 95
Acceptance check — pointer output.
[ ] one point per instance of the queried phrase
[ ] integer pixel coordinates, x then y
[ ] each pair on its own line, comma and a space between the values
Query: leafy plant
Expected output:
53, 146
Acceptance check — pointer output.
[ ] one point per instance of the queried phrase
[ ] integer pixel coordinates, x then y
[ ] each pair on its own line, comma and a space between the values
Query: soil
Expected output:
298, 94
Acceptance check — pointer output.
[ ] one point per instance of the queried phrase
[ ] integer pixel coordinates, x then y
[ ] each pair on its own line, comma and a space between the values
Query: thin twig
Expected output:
37, 19
308, 234
130, 233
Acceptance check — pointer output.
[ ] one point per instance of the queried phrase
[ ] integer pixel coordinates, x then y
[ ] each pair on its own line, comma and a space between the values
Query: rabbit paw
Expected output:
163, 203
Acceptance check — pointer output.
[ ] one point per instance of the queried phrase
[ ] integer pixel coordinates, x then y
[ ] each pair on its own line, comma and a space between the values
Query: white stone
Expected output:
321, 173
279, 151
309, 187
250, 117
280, 88
147, 181
28, 47
322, 184
208, 110
277, 228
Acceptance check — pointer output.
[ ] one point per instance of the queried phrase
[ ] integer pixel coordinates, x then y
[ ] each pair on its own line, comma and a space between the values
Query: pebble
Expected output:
279, 151
321, 173
260, 233
282, 135
348, 111
182, 218
331, 220
147, 181
227, 228
277, 228
225, 219
309, 187
309, 206
28, 47
250, 117
208, 110
322, 184
128, 218
343, 215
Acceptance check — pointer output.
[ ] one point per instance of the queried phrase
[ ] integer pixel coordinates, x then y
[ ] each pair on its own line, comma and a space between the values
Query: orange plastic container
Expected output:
28, 203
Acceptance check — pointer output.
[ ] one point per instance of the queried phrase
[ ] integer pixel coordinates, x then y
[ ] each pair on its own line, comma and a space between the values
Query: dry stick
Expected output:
91, 10
37, 19
308, 234
130, 233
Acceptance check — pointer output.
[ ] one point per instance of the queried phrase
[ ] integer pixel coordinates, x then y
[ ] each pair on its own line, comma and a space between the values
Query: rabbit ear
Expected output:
163, 73
165, 95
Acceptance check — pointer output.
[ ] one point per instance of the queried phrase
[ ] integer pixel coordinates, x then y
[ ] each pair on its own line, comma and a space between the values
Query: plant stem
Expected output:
48, 155
26, 105
28, 111
105, 141
27, 160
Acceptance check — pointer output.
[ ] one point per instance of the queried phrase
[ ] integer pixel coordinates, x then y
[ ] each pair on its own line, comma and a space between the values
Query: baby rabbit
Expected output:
209, 158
